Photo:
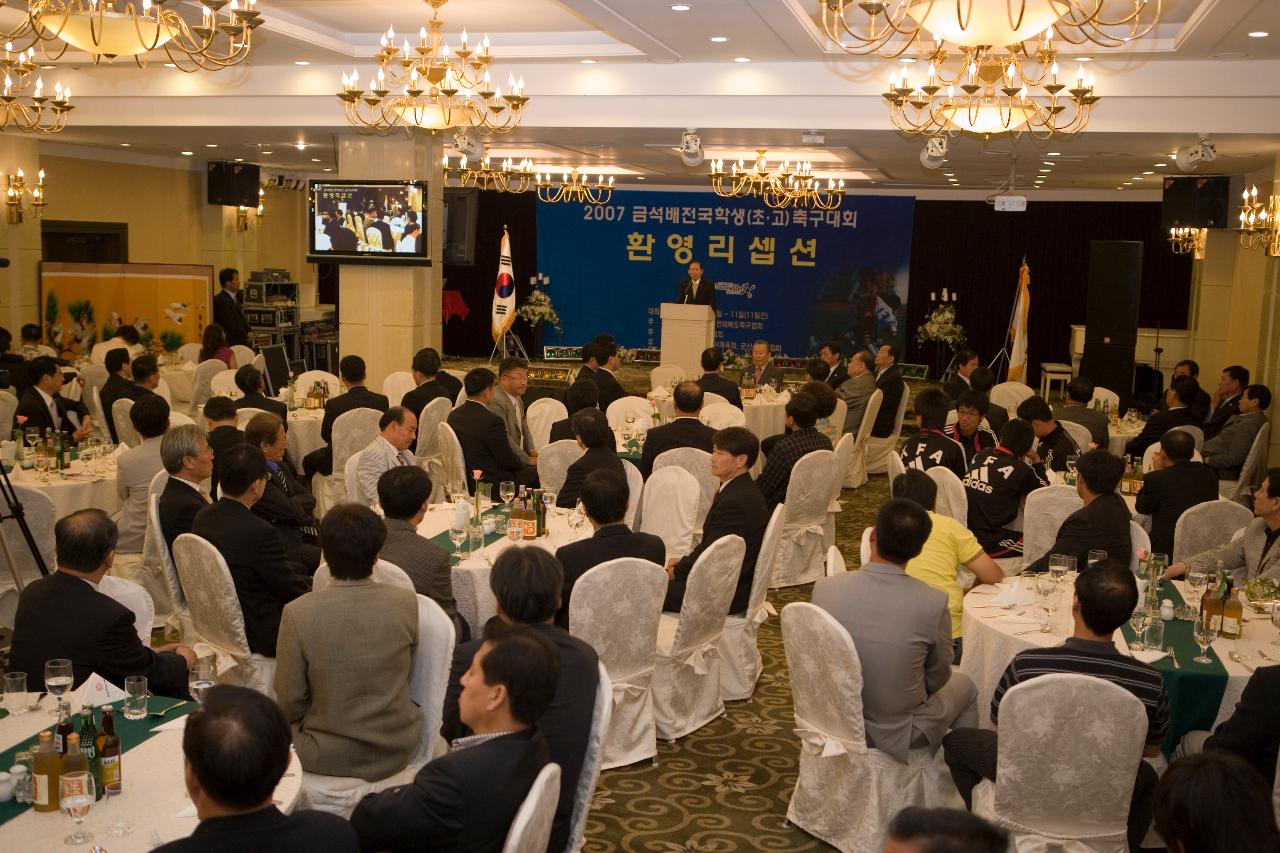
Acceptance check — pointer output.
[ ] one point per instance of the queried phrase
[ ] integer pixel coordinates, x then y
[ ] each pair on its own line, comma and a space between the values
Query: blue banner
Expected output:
792, 277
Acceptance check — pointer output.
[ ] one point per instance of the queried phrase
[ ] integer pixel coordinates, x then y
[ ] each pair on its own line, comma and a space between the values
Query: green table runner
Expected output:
131, 734
499, 532
1195, 689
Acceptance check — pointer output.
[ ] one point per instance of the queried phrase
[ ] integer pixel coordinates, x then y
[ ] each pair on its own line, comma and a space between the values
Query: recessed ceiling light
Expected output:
641, 178
301, 62
125, 145
949, 174
1148, 173
1053, 154
742, 59
267, 152
170, 65
48, 67
188, 153
1127, 183
328, 170
719, 39
588, 62
680, 7
239, 159
1138, 178
1083, 59
301, 146
1258, 34
1158, 165
1045, 171
1047, 162
211, 145
316, 160
907, 59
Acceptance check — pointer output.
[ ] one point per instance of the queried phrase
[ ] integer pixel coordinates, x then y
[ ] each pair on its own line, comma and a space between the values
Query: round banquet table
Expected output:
992, 636
1120, 434
154, 798
763, 419
180, 378
304, 434
84, 484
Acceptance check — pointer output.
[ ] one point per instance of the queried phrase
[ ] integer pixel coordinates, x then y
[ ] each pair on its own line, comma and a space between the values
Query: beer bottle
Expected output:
46, 768
1232, 613
89, 745
109, 753
74, 759
64, 728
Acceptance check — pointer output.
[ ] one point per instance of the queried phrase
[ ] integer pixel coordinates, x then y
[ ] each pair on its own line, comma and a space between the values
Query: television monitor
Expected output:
277, 362
369, 222
234, 184
461, 207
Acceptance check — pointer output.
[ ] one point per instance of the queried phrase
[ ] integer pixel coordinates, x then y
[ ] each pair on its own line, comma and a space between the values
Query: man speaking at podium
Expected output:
696, 290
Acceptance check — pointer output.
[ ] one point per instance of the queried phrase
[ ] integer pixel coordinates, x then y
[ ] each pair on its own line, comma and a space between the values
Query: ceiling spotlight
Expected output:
467, 144
125, 145
588, 62
301, 146
1148, 173
239, 159
328, 170
641, 178
691, 153
1053, 154
266, 152
1127, 183
1158, 165
718, 39
170, 65
188, 153
907, 59
742, 59
1258, 34
1191, 156
680, 7
1045, 171
949, 174
211, 145
933, 152
1083, 59
315, 160
301, 62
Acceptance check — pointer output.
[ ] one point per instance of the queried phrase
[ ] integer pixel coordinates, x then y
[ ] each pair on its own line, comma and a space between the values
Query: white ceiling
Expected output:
655, 72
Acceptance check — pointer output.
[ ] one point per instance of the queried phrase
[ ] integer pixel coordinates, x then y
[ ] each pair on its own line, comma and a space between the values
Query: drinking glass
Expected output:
1138, 623
549, 501
15, 692
57, 680
1275, 620
1158, 563
507, 491
1196, 579
1095, 556
457, 535
475, 538
1153, 637
135, 705
200, 679
457, 491
628, 427
578, 517
1059, 565
1047, 589
1071, 465
76, 793
42, 461
1204, 636
33, 437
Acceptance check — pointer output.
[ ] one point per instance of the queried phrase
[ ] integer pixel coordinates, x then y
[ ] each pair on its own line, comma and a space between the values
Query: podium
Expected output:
686, 331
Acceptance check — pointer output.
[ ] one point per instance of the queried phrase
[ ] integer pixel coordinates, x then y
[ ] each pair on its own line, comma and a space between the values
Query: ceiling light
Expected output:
301, 146
1148, 173
211, 145
125, 145
328, 170
1258, 34
641, 178
588, 62
1127, 183
1047, 162
949, 174
301, 62
1158, 165
188, 153
742, 59
1053, 154
267, 152
719, 39
907, 59
680, 7
170, 65
1083, 59
316, 160
1045, 171
48, 67
239, 159
1138, 178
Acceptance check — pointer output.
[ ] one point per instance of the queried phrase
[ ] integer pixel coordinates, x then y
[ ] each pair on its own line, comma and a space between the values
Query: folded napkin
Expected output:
1015, 594
1148, 655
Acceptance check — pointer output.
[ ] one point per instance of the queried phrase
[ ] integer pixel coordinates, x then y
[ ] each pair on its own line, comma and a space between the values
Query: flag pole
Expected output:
1004, 354
505, 343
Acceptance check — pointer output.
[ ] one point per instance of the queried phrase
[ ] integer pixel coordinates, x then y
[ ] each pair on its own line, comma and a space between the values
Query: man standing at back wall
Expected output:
226, 308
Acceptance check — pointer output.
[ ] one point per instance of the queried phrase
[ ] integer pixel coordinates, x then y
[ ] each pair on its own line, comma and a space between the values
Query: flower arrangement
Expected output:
538, 309
941, 327
625, 355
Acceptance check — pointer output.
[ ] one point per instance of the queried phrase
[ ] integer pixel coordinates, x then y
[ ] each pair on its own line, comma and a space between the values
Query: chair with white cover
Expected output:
260, 362
351, 481
353, 431
592, 760
1010, 395
451, 458
864, 546
686, 676
124, 426
244, 355
223, 384
894, 469
383, 572
1149, 456
664, 373
711, 397
1104, 396
723, 415
1045, 510
1196, 433
428, 451
134, 597
740, 660
1097, 731
310, 377
639, 408
952, 500
531, 828
1205, 526
635, 487
396, 385
216, 618
670, 507
248, 413
838, 415
95, 406
846, 791
803, 544
1139, 543
844, 453
189, 352
880, 449
698, 463
554, 461
41, 518
156, 571
9, 405
1079, 434
615, 608
180, 419
835, 562
92, 376
163, 389
856, 478
202, 383
1239, 490
541, 415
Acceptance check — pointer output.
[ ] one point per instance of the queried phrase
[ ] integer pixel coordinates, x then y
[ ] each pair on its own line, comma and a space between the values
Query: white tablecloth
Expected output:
763, 419
93, 484
993, 636
180, 378
153, 798
1120, 435
471, 578
304, 434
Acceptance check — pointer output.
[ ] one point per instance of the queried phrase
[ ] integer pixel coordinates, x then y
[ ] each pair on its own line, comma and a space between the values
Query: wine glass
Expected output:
457, 535
1047, 589
628, 427
457, 491
42, 462
1138, 624
76, 793
200, 679
1095, 556
507, 491
1196, 580
57, 680
578, 517
1059, 565
1204, 636
549, 501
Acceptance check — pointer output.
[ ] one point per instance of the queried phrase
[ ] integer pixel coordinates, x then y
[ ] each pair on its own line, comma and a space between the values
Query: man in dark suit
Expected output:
713, 380
249, 381
582, 394
351, 371
285, 503
119, 385
43, 407
685, 430
889, 381
966, 362
1102, 523
739, 508
340, 239
1174, 485
527, 583
1227, 451
1252, 731
236, 746
1230, 386
1178, 399
431, 384
254, 551
226, 308
696, 290
65, 616
589, 363
484, 437
592, 432
837, 373
1077, 410
188, 459
220, 416
1201, 407
605, 497
610, 389
762, 370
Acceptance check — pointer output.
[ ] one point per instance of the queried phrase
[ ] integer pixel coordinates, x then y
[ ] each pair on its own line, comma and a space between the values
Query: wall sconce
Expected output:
1260, 223
242, 213
21, 198
1188, 241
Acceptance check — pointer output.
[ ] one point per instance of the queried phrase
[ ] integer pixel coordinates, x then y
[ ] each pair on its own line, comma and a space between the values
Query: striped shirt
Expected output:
1100, 660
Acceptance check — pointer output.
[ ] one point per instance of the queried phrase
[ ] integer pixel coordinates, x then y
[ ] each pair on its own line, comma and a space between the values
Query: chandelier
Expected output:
1188, 241
21, 198
220, 37
994, 94
872, 26
793, 185
35, 113
508, 177
439, 86
1260, 222
574, 188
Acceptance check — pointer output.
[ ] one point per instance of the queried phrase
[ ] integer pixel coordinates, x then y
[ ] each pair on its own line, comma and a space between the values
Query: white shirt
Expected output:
50, 407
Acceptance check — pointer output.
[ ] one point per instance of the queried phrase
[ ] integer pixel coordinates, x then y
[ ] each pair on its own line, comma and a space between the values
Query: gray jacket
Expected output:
1243, 555
855, 392
1226, 451
513, 418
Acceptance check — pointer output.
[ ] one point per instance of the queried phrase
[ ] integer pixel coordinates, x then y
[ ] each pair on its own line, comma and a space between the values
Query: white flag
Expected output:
504, 291
1021, 310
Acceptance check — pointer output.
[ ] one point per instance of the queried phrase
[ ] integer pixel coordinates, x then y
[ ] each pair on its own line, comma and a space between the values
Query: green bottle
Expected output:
89, 745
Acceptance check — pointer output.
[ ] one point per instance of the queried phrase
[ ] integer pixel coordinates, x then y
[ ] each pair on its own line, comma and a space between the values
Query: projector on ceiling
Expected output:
1011, 203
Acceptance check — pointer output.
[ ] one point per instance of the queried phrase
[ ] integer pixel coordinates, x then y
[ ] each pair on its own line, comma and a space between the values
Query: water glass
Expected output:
1095, 556
200, 679
457, 535
1153, 636
507, 491
76, 793
1204, 636
475, 538
1157, 563
135, 704
1138, 623
57, 679
1047, 589
15, 692
549, 501
1059, 565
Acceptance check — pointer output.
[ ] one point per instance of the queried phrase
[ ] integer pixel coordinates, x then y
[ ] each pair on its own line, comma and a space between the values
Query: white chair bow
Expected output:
738, 647
803, 546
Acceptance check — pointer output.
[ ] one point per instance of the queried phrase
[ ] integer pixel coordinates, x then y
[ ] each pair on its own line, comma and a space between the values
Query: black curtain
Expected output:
966, 246
518, 212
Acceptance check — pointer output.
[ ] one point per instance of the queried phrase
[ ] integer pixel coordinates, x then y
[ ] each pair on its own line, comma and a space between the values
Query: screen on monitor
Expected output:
277, 362
369, 222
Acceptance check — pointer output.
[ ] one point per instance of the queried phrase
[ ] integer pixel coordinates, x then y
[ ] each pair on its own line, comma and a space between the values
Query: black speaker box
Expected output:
1110, 366
1115, 275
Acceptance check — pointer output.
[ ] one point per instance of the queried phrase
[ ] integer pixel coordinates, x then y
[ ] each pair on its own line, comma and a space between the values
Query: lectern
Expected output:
686, 331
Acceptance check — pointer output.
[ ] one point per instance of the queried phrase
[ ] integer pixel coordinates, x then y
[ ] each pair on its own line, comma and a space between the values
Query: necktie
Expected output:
53, 414
759, 373
400, 458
